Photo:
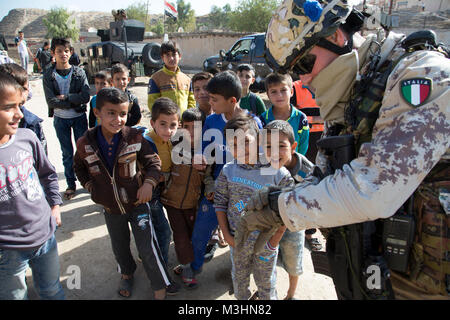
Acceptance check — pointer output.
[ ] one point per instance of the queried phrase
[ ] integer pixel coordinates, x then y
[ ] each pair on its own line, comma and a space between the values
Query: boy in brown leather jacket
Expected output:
106, 163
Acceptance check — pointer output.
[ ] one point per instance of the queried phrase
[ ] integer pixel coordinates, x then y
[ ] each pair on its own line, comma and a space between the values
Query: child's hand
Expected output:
228, 238
276, 238
144, 194
56, 213
210, 196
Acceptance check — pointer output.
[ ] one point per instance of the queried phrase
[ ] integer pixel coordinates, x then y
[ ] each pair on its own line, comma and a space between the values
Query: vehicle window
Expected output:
259, 52
240, 46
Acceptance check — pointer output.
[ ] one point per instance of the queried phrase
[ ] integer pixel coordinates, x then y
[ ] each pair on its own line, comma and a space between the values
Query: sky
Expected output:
200, 7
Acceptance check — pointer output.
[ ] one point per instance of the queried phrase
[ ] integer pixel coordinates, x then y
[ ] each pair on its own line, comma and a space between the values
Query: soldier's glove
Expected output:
260, 198
265, 220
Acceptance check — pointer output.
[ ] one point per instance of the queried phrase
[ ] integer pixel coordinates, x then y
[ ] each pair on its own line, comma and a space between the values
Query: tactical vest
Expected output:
307, 104
353, 249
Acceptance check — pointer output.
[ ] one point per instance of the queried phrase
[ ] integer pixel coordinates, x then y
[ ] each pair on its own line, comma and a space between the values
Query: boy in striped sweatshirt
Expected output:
238, 180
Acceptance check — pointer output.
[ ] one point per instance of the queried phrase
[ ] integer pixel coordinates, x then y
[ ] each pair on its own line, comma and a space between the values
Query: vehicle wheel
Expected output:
151, 54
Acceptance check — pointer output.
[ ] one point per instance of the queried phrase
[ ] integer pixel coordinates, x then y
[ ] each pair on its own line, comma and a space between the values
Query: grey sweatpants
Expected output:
146, 243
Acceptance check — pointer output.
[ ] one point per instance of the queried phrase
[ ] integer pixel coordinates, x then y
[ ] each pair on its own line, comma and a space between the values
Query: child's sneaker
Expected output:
209, 254
188, 277
178, 270
191, 283
172, 289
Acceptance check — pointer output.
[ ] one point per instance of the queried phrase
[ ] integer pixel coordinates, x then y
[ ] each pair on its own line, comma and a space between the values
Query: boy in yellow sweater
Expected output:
165, 120
170, 82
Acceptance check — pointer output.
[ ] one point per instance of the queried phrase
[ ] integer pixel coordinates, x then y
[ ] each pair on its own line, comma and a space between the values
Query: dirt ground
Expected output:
84, 245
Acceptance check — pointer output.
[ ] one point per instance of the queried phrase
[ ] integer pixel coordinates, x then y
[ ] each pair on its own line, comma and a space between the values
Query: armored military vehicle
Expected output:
248, 49
122, 43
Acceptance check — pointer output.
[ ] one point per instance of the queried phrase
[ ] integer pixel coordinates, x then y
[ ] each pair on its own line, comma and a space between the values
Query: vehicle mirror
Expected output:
222, 53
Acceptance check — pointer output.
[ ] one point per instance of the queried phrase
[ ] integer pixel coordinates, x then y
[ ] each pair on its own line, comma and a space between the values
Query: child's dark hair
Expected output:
244, 122
103, 75
226, 84
165, 106
277, 78
169, 47
7, 80
59, 42
201, 76
283, 127
191, 115
111, 95
246, 67
15, 71
119, 68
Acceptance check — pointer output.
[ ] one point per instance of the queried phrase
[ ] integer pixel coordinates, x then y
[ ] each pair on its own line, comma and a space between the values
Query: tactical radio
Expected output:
398, 235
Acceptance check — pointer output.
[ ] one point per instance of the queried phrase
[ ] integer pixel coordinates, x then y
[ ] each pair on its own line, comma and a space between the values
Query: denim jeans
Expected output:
24, 60
44, 263
64, 129
290, 257
205, 224
162, 228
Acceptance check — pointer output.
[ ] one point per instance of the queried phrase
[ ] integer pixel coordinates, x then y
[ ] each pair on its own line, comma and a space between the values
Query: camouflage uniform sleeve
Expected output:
407, 142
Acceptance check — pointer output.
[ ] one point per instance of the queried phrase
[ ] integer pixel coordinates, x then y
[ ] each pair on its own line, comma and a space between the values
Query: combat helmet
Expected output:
298, 25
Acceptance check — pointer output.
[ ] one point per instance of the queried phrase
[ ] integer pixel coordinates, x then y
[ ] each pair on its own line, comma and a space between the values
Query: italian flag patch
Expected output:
415, 91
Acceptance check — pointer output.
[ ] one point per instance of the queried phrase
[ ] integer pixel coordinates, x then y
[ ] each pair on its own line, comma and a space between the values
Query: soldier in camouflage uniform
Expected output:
392, 99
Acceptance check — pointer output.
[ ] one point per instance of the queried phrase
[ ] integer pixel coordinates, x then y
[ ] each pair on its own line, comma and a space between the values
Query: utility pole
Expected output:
146, 15
164, 24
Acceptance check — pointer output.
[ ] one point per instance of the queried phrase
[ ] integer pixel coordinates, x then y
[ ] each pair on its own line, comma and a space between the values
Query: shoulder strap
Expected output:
363, 109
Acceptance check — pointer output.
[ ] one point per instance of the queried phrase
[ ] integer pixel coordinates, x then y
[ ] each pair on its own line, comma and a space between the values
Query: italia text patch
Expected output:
415, 91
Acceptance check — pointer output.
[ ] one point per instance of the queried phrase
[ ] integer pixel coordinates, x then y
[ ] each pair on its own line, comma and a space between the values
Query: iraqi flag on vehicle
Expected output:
416, 91
170, 10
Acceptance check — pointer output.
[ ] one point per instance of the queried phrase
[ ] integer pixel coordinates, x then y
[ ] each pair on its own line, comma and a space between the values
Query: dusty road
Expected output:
84, 244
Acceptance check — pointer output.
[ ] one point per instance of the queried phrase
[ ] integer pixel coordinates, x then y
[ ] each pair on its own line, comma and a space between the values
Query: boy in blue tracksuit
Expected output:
225, 92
